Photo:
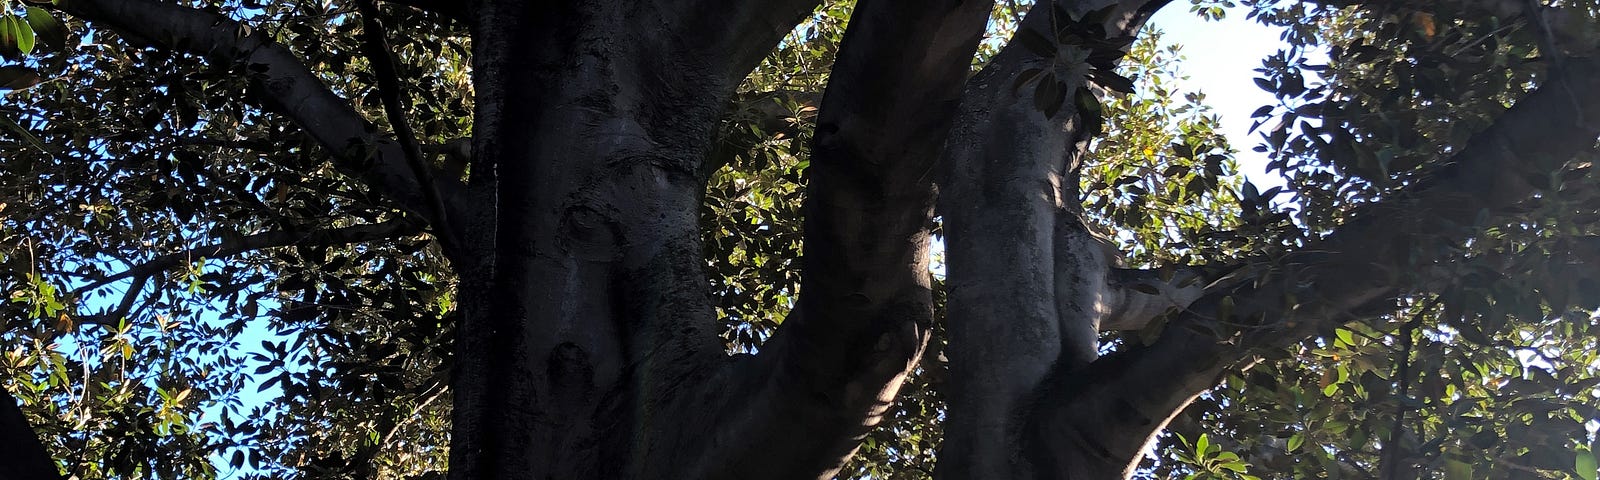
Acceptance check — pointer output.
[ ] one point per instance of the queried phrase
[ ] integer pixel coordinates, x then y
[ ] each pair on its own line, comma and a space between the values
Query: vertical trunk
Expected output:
1029, 285
585, 308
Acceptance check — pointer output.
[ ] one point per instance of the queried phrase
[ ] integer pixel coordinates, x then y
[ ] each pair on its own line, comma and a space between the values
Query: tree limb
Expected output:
22, 456
389, 88
452, 9
1028, 283
287, 86
865, 313
1359, 270
1139, 296
282, 238
735, 34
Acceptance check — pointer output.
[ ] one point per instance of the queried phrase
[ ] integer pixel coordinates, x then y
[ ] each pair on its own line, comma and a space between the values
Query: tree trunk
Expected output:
1029, 284
586, 320
587, 348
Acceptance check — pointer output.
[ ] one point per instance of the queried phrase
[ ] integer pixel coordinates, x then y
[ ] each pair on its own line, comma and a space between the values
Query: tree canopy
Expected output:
232, 240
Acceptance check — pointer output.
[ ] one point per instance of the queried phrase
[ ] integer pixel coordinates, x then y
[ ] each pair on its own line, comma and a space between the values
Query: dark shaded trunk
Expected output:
586, 315
588, 348
22, 457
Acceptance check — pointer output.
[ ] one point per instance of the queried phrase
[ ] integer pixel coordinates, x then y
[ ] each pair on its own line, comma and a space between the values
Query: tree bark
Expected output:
1358, 271
1029, 285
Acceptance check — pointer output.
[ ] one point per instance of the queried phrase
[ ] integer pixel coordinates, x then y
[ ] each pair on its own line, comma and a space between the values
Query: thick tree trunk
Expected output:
1029, 284
588, 348
586, 316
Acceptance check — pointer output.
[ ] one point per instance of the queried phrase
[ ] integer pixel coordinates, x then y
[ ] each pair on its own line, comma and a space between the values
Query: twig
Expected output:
389, 89
1389, 458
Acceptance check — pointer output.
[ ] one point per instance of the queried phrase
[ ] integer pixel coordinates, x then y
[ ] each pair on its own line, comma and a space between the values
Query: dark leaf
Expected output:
17, 77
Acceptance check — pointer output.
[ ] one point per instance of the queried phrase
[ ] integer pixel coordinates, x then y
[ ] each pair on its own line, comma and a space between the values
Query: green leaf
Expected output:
23, 33
8, 37
1457, 470
1584, 465
1265, 84
1026, 76
1112, 81
1036, 42
50, 32
1344, 335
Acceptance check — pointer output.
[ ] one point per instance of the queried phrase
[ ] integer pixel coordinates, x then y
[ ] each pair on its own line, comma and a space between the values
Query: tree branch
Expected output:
22, 456
287, 86
735, 34
1358, 270
334, 236
459, 11
1028, 283
1138, 296
389, 88
865, 313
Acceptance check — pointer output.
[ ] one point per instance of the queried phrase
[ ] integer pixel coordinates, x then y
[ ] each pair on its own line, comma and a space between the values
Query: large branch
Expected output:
735, 34
22, 456
1359, 270
865, 309
287, 86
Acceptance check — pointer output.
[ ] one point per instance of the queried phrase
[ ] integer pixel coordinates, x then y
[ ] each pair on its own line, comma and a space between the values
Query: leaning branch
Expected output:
389, 88
866, 311
1355, 272
287, 86
736, 34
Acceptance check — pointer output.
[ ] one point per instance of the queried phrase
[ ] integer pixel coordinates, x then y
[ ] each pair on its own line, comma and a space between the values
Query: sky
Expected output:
1220, 58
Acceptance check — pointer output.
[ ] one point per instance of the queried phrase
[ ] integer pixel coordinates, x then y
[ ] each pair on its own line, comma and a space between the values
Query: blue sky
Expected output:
1220, 58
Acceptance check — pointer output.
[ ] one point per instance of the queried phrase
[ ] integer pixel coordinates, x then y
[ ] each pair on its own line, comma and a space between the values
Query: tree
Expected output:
513, 206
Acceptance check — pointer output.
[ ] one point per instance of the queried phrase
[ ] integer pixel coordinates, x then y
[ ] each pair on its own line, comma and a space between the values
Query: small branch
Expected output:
1403, 372
451, 9
389, 88
111, 318
336, 236
1139, 296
